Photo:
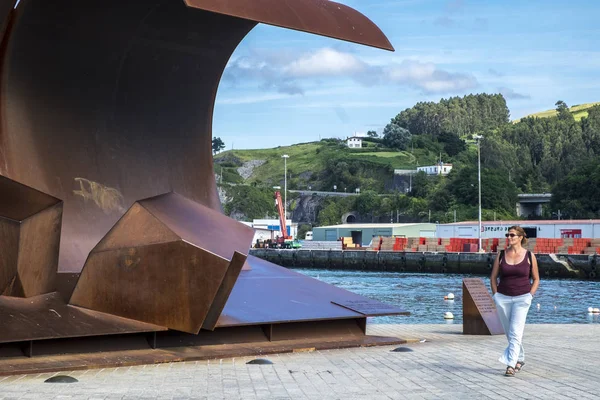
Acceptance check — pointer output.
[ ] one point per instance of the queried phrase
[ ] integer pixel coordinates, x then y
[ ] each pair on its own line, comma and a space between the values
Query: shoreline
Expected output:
568, 266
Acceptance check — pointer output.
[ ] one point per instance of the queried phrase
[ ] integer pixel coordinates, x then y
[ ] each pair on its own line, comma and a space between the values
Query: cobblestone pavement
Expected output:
563, 361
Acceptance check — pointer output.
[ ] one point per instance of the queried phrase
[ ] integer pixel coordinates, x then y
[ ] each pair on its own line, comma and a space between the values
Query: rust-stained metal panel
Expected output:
200, 225
18, 201
30, 223
322, 17
9, 254
164, 263
136, 228
101, 118
273, 294
48, 317
125, 358
38, 253
235, 267
65, 284
169, 284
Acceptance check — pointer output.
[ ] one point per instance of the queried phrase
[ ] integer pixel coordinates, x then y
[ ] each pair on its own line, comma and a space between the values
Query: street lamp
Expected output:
285, 157
478, 139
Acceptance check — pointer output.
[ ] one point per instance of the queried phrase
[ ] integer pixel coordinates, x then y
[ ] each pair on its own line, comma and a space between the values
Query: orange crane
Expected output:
282, 226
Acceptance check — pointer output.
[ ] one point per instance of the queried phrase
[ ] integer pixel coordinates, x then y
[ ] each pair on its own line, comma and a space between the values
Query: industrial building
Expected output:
552, 229
363, 233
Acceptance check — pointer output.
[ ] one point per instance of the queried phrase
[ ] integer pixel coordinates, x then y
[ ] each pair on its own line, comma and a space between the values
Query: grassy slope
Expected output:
306, 158
579, 111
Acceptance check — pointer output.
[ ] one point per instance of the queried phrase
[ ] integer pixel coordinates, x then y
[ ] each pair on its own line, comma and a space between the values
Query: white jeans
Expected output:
513, 313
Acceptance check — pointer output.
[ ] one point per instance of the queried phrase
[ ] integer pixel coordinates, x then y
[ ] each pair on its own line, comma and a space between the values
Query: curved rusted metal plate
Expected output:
101, 118
322, 17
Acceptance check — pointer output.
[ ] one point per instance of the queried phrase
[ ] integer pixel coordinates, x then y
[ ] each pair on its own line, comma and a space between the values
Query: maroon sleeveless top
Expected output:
514, 279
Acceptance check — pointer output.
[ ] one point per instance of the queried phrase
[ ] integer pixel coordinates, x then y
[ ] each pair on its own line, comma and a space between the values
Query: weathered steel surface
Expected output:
480, 316
200, 225
30, 224
126, 358
322, 17
48, 317
101, 118
163, 263
105, 102
235, 267
106, 117
273, 294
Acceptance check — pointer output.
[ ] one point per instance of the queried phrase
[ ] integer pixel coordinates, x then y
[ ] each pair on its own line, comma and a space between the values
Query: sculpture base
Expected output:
129, 350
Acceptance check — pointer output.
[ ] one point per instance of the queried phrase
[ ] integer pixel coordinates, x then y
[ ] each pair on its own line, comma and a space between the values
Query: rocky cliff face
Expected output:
306, 209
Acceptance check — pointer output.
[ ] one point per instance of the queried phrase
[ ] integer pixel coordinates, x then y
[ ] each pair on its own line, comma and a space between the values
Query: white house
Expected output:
438, 169
354, 142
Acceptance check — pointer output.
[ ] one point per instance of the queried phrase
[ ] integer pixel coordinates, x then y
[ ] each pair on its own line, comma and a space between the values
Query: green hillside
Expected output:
312, 164
579, 111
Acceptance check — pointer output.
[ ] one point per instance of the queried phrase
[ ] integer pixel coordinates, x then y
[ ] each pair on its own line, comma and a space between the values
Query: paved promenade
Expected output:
563, 361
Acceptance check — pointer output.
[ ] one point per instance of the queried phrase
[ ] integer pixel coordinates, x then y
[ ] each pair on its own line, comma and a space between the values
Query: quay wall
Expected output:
572, 266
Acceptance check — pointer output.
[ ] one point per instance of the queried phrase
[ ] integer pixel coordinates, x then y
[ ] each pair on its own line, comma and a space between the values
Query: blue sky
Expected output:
283, 87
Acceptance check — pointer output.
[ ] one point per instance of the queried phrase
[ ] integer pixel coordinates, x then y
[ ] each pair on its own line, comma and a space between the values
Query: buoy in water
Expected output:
596, 311
450, 296
590, 310
448, 315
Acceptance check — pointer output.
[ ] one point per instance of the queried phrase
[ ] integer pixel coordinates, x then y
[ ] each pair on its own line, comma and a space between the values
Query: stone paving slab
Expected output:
563, 361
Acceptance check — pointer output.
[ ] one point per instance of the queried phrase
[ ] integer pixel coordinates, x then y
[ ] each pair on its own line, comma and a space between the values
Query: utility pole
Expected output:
478, 138
285, 157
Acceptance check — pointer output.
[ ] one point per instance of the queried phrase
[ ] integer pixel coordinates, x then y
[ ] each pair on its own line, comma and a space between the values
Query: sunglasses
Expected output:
511, 235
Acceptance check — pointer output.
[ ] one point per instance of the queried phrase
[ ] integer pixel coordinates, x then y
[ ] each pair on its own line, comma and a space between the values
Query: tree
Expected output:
421, 185
578, 195
330, 214
249, 202
452, 143
563, 111
590, 127
372, 134
367, 203
396, 137
217, 145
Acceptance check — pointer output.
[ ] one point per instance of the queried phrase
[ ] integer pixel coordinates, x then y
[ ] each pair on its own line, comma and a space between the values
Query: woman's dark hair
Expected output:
521, 232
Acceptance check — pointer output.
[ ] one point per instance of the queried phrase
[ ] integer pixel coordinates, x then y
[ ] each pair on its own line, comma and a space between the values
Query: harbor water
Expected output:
556, 301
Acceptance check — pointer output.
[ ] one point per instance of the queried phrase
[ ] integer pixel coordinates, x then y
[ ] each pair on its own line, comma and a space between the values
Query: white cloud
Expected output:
325, 62
427, 77
292, 76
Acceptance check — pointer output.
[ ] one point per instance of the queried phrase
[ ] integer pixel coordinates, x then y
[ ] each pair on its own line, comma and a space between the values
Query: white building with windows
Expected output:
354, 142
438, 169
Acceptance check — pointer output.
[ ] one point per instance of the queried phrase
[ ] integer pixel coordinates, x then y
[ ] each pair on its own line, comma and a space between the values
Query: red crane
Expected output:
279, 206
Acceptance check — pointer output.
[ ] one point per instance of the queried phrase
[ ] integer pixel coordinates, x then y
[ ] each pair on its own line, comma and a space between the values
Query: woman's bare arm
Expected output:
494, 275
535, 274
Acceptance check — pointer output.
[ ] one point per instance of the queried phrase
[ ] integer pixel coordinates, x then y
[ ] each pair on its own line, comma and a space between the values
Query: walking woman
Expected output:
514, 281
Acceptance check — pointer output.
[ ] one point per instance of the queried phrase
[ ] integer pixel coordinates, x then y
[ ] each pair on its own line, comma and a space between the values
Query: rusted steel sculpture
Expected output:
160, 247
107, 102
29, 239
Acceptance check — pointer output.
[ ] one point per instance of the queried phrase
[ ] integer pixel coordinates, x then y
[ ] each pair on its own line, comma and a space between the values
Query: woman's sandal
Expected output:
519, 366
510, 371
